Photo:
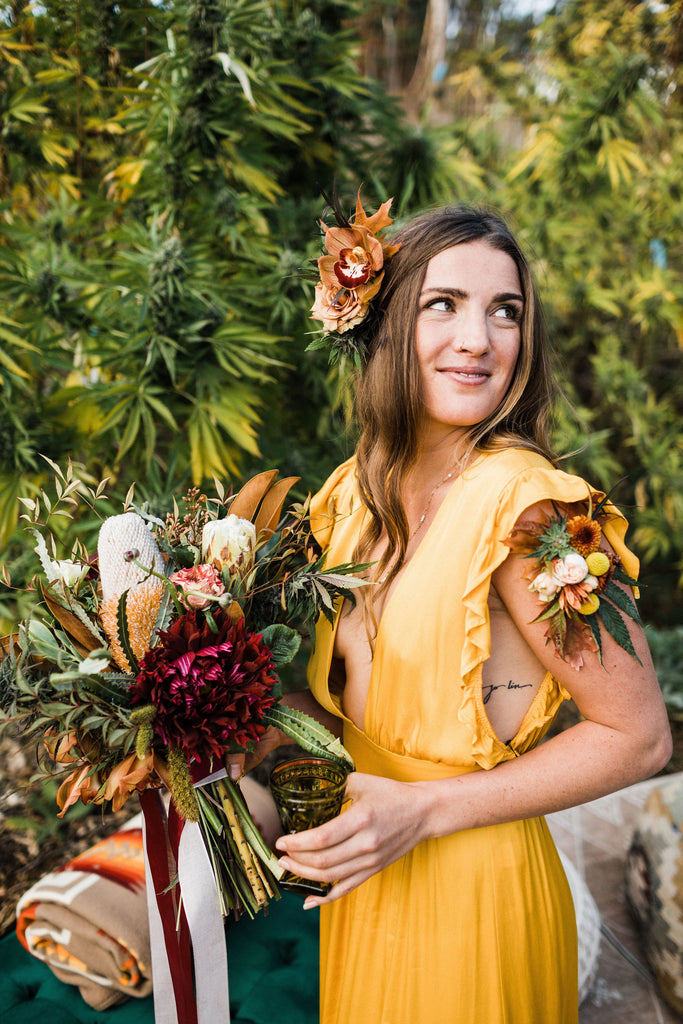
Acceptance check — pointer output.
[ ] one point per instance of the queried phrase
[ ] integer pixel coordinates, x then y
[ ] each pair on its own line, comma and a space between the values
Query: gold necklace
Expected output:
420, 524
445, 480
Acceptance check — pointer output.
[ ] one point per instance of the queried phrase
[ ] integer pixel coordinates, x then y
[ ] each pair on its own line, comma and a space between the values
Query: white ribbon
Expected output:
205, 921
165, 1011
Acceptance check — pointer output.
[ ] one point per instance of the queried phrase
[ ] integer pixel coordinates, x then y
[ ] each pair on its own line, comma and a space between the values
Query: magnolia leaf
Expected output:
309, 734
282, 641
84, 635
246, 502
43, 640
271, 506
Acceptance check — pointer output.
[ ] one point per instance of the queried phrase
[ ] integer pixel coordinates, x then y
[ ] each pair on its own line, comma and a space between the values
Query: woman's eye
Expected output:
443, 305
512, 313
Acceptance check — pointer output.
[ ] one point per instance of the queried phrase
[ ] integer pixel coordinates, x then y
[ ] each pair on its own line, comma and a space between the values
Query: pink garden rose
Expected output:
570, 569
200, 585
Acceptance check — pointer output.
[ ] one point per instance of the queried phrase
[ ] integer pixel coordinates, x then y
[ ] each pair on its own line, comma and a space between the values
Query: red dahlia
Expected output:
210, 690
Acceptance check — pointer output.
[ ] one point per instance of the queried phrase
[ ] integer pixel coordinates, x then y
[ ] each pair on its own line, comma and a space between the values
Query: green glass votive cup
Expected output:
307, 791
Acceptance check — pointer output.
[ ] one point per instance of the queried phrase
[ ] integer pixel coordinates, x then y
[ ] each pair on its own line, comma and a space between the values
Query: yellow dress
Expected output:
477, 927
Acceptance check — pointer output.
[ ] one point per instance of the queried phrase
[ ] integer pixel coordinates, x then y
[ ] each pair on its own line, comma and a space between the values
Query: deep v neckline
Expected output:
456, 485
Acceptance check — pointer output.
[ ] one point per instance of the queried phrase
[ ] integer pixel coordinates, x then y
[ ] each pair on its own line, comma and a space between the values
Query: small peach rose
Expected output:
340, 309
545, 585
570, 569
199, 585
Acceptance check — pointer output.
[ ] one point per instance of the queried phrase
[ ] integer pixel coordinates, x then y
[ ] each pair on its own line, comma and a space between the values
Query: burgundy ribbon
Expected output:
163, 837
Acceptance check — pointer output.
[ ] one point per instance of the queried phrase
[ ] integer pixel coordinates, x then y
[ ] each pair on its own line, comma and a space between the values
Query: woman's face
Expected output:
468, 334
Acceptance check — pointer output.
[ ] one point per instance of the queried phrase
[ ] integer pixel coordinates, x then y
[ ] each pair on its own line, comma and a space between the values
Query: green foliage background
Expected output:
160, 168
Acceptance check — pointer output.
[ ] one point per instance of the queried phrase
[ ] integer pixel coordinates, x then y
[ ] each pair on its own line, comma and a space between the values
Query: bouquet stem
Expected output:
245, 868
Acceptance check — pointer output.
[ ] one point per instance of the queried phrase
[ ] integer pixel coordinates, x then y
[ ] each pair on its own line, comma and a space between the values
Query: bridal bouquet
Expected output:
149, 659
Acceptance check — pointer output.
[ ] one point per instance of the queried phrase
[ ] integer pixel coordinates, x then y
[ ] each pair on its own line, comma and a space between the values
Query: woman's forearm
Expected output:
581, 764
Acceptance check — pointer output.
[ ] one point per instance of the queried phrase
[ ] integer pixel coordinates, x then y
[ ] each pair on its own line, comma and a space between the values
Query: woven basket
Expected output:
587, 925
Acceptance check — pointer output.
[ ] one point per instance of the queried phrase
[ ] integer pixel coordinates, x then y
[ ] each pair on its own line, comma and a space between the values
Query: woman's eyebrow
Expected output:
459, 293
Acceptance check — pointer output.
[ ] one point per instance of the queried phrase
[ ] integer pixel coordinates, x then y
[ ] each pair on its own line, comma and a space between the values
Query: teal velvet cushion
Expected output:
273, 976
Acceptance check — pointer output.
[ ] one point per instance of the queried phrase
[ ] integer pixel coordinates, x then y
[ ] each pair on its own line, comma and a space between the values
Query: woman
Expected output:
449, 902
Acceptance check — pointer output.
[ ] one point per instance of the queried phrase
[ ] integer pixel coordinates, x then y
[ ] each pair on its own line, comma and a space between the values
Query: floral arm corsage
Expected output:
576, 581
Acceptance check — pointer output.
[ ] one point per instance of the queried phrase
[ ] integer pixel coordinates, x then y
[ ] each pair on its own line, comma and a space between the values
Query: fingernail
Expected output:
310, 903
235, 772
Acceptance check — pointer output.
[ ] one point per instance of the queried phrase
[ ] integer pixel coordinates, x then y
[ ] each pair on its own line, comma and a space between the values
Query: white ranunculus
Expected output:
545, 585
571, 569
70, 573
229, 543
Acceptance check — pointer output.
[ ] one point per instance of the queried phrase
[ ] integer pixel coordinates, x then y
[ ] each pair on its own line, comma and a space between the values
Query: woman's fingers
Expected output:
375, 829
234, 765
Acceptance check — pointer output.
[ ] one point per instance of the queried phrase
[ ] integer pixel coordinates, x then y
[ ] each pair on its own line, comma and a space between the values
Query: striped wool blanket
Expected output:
88, 920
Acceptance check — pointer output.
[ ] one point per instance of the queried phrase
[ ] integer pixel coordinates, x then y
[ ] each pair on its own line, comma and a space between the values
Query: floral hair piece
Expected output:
576, 582
350, 276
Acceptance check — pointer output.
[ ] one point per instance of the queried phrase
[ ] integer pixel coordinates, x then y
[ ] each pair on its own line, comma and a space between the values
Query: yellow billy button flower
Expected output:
598, 563
590, 605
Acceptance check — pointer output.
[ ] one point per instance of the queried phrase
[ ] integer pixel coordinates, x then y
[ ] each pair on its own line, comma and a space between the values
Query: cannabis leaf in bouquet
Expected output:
147, 661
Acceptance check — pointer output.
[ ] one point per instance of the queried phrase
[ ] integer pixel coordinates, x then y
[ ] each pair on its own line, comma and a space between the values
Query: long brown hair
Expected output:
389, 407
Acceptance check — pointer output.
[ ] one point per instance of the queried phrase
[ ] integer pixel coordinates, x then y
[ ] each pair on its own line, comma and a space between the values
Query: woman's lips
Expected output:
470, 375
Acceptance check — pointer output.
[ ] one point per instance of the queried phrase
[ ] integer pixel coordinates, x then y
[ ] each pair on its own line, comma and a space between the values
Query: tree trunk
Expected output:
432, 53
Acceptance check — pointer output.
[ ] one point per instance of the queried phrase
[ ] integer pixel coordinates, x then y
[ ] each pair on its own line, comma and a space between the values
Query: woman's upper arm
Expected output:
622, 693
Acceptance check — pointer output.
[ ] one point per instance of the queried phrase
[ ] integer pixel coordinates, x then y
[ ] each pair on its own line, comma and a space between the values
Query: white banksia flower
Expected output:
229, 543
122, 539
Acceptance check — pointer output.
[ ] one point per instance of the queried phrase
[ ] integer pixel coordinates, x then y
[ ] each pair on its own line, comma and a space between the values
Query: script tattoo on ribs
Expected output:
488, 688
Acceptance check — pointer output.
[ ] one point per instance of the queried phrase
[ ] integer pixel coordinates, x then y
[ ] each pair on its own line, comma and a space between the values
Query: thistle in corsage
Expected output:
576, 582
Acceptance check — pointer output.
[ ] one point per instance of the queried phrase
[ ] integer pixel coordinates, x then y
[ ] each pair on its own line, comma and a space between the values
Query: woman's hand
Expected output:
381, 824
238, 765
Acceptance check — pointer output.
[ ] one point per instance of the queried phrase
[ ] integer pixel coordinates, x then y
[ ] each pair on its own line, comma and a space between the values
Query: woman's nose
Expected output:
472, 334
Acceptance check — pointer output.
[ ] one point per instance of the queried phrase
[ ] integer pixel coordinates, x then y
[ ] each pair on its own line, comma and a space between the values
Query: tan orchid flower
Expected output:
127, 776
82, 784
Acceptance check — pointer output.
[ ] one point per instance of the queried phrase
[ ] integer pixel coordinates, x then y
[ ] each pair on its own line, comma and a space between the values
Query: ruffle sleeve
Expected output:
334, 500
537, 481
336, 522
